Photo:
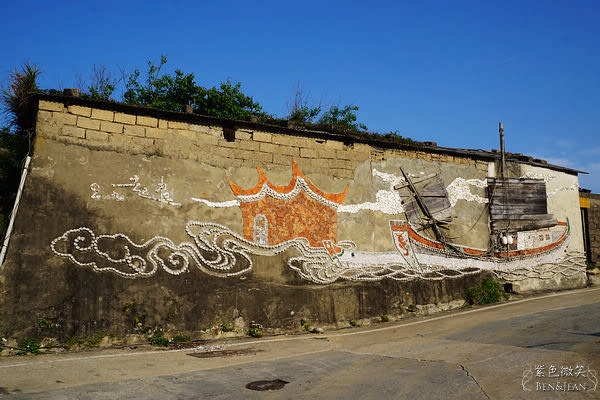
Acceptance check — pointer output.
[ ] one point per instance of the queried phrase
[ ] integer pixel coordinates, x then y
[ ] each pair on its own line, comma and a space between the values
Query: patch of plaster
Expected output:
460, 189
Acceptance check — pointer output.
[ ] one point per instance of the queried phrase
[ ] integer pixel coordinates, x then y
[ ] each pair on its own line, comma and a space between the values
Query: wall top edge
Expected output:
476, 154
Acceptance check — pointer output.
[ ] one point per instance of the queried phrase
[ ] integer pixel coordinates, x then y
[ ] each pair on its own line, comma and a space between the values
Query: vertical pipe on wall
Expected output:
13, 214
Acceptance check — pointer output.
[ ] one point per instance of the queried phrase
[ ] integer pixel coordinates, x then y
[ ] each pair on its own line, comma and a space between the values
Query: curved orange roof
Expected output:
262, 179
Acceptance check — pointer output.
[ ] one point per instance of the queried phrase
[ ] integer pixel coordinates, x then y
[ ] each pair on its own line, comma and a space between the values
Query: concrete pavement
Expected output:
481, 353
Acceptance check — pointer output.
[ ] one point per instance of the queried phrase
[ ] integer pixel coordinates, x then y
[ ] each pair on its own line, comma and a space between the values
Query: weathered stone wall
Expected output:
593, 215
140, 177
594, 226
104, 129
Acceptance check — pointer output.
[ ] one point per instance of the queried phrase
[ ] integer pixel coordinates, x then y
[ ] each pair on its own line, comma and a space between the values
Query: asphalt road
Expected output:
546, 347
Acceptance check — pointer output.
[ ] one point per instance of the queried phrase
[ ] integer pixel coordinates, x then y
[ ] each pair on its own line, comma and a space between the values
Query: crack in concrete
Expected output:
474, 380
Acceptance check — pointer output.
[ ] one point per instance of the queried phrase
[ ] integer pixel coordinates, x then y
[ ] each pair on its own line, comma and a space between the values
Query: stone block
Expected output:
64, 119
334, 144
45, 116
309, 165
326, 153
72, 140
343, 173
88, 123
262, 136
142, 141
177, 125
292, 140
243, 135
377, 155
111, 127
247, 145
361, 147
242, 154
79, 110
51, 106
225, 143
308, 153
205, 140
73, 131
263, 158
96, 136
215, 131
269, 147
340, 164
156, 133
124, 118
421, 155
289, 151
163, 124
120, 140
199, 128
104, 115
343, 154
146, 121
134, 130
282, 159
225, 152
48, 128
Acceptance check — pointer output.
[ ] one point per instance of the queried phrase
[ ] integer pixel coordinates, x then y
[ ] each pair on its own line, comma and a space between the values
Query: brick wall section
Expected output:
117, 131
594, 225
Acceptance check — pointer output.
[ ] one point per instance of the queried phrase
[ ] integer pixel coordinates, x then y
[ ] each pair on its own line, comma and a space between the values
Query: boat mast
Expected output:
502, 165
505, 240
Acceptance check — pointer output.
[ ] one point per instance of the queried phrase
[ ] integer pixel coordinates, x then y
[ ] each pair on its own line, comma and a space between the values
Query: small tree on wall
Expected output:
15, 139
16, 98
173, 92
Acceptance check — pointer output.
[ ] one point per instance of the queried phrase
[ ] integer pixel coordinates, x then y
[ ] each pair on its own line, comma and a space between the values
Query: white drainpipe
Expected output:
14, 211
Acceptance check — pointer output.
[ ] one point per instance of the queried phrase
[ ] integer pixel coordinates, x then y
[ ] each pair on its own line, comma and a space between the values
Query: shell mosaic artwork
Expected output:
299, 209
161, 193
218, 251
301, 220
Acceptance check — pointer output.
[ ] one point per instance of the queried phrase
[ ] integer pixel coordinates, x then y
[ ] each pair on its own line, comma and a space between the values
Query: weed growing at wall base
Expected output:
45, 324
180, 339
255, 330
157, 340
305, 325
488, 292
95, 340
28, 346
73, 341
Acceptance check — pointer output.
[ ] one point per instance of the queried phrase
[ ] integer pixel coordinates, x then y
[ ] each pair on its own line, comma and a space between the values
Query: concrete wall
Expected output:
331, 166
591, 202
105, 232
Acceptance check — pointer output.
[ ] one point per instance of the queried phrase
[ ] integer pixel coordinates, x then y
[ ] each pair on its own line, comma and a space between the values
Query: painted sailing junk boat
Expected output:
524, 236
407, 239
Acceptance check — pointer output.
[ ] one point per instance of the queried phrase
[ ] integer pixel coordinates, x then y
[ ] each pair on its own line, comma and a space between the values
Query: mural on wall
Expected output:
388, 201
274, 214
302, 219
548, 177
161, 193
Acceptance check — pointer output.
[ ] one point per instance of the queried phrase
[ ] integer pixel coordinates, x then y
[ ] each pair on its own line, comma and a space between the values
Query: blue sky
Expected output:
444, 71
